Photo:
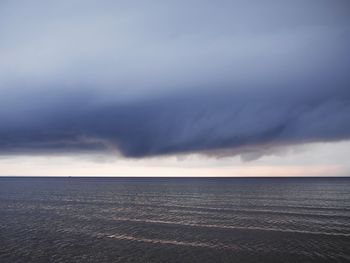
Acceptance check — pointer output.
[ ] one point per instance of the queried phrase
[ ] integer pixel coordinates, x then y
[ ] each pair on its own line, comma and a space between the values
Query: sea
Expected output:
70, 219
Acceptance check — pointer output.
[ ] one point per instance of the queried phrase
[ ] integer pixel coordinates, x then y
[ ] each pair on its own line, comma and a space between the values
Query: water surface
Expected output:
174, 220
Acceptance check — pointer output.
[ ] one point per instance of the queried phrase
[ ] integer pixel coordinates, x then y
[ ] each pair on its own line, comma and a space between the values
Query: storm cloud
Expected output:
171, 77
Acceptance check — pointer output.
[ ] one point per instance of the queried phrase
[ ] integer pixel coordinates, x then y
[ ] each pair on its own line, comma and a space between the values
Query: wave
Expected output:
151, 221
174, 242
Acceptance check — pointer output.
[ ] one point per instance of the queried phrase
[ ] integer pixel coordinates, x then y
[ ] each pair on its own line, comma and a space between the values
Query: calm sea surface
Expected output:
174, 220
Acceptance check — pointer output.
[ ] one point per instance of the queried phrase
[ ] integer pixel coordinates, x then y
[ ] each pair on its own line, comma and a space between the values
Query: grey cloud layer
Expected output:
172, 77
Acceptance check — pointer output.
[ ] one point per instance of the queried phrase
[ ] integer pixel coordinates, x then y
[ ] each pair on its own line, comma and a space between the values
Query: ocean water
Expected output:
174, 220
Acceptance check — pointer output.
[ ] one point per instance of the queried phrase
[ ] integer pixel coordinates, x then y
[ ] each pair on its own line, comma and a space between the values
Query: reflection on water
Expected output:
174, 220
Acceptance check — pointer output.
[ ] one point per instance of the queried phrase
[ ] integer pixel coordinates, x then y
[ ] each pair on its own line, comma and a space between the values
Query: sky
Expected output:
175, 88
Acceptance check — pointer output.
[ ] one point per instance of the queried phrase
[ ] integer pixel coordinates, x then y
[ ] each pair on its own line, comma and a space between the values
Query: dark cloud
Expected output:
177, 123
239, 77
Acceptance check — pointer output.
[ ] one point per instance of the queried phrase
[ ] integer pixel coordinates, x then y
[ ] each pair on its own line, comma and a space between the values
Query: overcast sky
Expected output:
174, 87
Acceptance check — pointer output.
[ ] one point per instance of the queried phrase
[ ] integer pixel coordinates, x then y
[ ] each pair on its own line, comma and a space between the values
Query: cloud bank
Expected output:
165, 77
